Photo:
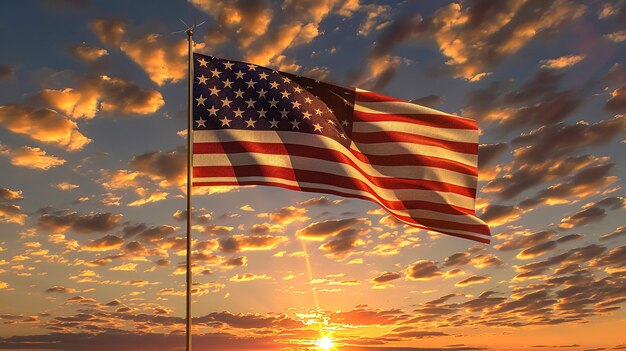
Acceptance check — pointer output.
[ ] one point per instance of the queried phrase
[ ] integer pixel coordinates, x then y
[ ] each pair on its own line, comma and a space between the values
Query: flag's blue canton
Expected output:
237, 95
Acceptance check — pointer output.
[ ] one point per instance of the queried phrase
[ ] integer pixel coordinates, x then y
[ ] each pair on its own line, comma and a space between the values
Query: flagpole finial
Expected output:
188, 29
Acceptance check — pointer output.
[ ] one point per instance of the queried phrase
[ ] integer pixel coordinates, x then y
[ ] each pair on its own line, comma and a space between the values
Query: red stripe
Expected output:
483, 229
369, 96
401, 137
333, 155
298, 175
432, 120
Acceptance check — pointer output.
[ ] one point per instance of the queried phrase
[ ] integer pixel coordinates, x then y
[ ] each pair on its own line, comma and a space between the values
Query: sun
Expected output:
325, 343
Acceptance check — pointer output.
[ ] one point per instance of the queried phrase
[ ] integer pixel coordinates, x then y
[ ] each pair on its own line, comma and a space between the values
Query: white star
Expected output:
202, 79
274, 123
285, 94
286, 80
200, 100
228, 65
238, 112
273, 102
252, 67
297, 89
306, 115
251, 83
225, 122
295, 124
343, 135
212, 111
262, 93
318, 127
284, 113
331, 122
215, 72
201, 122
250, 103
308, 100
263, 75
274, 85
226, 102
239, 93
344, 123
214, 91
250, 123
262, 113
318, 111
228, 83
295, 104
239, 74
203, 62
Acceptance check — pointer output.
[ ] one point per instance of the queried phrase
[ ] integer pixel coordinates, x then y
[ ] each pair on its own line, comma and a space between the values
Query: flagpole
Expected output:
189, 33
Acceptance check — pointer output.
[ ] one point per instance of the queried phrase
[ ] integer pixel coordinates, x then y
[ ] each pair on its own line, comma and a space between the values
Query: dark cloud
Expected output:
163, 165
423, 270
238, 243
552, 109
87, 52
472, 280
5, 71
543, 82
457, 259
79, 223
526, 241
429, 101
320, 201
487, 153
587, 216
148, 234
321, 230
617, 102
386, 277
60, 289
537, 250
561, 139
342, 243
108, 242
496, 215
235, 262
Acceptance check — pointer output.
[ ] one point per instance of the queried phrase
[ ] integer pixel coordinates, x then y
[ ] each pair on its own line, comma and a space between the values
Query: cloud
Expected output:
246, 277
321, 230
12, 214
31, 157
423, 270
561, 139
476, 35
106, 243
561, 62
472, 280
79, 223
386, 277
525, 240
487, 153
7, 194
620, 231
617, 102
321, 201
342, 243
238, 243
65, 186
43, 125
497, 215
165, 166
148, 234
616, 37
87, 52
288, 214
582, 218
109, 31
112, 95
61, 290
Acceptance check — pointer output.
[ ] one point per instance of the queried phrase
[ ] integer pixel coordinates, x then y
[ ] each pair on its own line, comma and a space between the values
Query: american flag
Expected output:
256, 126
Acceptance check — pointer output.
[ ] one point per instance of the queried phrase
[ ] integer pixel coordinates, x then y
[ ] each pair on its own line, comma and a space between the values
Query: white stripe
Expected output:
333, 168
446, 134
382, 149
461, 219
398, 107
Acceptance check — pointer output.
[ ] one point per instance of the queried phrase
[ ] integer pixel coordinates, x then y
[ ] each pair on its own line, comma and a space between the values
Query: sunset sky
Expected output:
92, 180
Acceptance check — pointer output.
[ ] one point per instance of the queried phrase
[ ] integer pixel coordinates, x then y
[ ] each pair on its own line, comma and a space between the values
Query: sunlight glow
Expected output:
325, 343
